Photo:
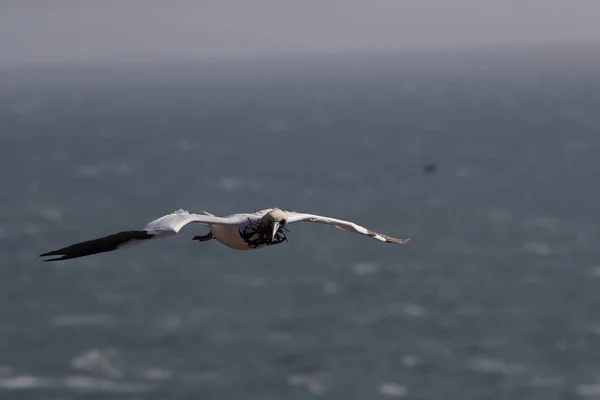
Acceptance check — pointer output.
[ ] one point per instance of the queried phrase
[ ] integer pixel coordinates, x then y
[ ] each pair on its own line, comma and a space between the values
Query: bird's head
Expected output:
273, 220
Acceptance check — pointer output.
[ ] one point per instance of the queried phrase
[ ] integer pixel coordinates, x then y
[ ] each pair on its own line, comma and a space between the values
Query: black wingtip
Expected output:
95, 246
63, 255
51, 253
57, 259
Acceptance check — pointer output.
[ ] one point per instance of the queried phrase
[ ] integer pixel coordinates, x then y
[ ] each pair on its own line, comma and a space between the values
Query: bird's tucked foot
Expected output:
203, 238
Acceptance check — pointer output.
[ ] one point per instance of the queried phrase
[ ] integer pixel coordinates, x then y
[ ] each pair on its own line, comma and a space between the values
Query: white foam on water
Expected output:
465, 172
365, 268
414, 310
410, 360
77, 383
122, 169
595, 329
207, 376
499, 216
594, 272
549, 224
53, 214
330, 288
232, 184
24, 382
69, 320
95, 170
256, 281
99, 361
311, 382
494, 366
173, 322
279, 337
588, 390
539, 248
84, 383
392, 389
155, 374
547, 381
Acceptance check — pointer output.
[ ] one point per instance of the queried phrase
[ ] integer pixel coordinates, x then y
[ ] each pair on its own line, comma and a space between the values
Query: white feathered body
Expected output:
230, 237
226, 234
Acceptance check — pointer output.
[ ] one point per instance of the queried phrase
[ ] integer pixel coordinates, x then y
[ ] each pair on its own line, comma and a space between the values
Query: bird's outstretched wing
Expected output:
165, 226
344, 225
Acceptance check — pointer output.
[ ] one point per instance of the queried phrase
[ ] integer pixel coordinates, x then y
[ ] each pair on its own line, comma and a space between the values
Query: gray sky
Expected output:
35, 31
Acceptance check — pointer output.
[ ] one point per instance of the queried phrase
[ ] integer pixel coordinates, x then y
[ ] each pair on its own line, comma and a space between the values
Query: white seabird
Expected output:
237, 231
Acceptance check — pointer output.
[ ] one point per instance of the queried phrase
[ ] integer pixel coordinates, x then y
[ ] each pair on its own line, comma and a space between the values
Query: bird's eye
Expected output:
282, 223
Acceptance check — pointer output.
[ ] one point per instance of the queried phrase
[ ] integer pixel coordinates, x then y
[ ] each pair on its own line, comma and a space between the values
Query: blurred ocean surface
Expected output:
495, 297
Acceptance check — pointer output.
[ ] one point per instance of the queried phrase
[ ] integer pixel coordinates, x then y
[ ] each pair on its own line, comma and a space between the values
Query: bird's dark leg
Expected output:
204, 238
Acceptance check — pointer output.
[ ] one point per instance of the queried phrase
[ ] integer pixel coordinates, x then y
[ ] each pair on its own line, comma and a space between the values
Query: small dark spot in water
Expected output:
429, 168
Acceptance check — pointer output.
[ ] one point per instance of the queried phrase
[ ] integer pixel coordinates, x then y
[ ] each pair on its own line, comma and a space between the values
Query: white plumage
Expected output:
243, 231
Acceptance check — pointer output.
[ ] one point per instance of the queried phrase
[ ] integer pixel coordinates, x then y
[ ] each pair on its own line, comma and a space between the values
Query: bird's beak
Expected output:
275, 229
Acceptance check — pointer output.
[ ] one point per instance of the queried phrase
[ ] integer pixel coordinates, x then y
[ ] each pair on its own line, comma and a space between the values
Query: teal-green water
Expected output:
496, 296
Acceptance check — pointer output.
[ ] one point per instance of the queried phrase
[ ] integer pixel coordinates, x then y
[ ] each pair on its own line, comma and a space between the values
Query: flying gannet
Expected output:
237, 231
